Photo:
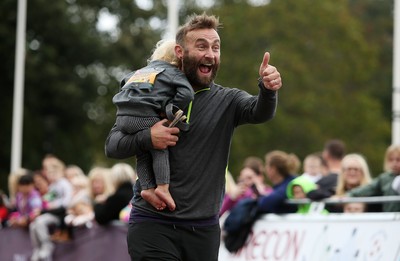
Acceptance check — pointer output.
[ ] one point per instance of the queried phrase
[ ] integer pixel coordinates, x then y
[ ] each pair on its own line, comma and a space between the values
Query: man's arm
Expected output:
122, 145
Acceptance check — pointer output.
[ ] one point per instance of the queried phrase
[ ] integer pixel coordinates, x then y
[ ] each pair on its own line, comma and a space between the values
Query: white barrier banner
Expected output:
333, 237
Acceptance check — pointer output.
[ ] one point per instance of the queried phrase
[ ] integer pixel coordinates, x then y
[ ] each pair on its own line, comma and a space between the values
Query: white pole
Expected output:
17, 120
173, 19
396, 75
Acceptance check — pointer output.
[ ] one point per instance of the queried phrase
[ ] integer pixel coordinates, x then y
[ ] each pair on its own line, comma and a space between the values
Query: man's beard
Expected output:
190, 68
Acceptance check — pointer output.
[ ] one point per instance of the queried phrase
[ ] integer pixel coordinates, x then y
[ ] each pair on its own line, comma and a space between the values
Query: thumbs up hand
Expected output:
269, 75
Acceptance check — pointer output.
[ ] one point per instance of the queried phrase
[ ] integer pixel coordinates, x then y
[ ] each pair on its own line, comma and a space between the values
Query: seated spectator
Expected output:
122, 177
57, 199
13, 185
28, 203
312, 167
3, 209
382, 185
354, 173
100, 185
332, 154
80, 211
257, 165
41, 183
298, 189
250, 185
72, 171
278, 167
354, 207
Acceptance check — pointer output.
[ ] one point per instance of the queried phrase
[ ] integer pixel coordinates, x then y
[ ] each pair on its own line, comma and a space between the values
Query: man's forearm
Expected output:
121, 145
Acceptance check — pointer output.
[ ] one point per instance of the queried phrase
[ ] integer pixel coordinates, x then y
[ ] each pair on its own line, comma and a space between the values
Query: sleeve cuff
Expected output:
269, 92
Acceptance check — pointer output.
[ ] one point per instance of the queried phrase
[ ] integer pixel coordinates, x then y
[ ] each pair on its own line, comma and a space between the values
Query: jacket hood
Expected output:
305, 183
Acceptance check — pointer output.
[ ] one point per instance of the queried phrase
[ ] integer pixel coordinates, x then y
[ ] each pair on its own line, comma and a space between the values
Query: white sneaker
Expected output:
46, 251
35, 255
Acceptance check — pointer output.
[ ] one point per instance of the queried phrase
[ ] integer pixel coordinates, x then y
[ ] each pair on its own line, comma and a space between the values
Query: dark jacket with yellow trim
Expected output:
146, 92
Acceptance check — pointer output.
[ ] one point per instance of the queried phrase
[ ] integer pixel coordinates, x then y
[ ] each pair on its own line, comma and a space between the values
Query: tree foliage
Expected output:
327, 65
334, 57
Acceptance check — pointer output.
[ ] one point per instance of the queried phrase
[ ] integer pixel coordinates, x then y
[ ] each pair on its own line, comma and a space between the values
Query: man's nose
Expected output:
210, 53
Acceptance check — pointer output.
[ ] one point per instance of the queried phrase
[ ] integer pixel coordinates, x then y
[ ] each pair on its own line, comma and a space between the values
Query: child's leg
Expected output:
43, 235
162, 175
34, 240
145, 175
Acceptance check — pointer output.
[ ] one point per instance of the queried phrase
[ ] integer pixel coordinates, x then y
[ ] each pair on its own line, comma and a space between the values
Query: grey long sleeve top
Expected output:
198, 161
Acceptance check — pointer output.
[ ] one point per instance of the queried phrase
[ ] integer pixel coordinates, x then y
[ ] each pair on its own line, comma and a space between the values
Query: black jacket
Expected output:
110, 209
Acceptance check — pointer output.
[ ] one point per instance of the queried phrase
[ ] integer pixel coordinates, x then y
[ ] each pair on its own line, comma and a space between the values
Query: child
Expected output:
298, 189
80, 213
145, 97
312, 167
354, 207
28, 202
58, 198
383, 184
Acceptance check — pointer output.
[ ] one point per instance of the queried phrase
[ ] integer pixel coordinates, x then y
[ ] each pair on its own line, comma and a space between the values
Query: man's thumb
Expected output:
265, 59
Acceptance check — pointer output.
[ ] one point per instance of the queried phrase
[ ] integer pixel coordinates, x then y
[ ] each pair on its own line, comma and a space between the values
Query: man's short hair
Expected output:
336, 148
195, 22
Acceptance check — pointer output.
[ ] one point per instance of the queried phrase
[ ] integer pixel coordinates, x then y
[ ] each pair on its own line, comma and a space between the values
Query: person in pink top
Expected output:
28, 202
250, 185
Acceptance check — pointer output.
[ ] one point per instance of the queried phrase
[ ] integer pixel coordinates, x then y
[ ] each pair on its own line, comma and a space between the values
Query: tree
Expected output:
334, 57
327, 66
72, 70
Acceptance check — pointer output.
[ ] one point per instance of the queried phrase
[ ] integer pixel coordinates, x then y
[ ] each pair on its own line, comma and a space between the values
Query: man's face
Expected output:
201, 57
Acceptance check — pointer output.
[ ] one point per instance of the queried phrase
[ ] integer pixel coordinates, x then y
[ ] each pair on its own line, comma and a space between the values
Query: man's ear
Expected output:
179, 51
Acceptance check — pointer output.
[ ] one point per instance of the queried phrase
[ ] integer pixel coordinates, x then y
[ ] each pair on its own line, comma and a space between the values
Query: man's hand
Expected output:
269, 75
162, 136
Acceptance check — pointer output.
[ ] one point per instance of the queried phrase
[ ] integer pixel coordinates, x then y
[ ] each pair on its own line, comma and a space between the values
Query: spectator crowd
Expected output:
51, 201
329, 174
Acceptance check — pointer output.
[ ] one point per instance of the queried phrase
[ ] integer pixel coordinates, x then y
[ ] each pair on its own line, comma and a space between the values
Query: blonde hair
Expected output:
105, 175
122, 173
165, 51
73, 170
362, 163
53, 167
393, 149
230, 184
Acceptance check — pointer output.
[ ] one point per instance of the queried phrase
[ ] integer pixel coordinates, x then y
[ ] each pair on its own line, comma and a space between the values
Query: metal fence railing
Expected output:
367, 200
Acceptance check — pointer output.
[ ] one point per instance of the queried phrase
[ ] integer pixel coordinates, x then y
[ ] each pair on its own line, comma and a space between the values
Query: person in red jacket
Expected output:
3, 209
